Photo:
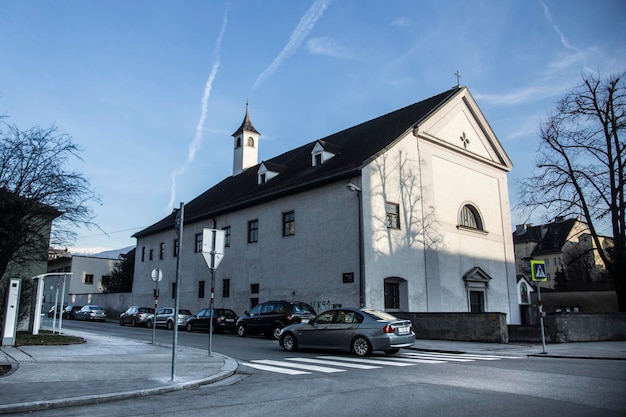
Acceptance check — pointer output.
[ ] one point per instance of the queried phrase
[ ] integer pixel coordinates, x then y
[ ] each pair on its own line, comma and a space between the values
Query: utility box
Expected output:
9, 329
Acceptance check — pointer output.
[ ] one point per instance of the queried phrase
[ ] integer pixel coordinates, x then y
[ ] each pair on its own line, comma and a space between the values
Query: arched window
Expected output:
251, 141
470, 218
238, 142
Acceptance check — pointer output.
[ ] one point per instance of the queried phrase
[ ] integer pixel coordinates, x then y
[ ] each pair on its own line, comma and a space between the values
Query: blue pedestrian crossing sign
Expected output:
538, 270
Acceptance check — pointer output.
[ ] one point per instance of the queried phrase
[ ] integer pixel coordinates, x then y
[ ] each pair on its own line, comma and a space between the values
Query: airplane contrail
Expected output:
301, 31
197, 140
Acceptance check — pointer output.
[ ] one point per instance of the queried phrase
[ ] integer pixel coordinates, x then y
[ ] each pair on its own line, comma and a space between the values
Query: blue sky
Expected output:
152, 90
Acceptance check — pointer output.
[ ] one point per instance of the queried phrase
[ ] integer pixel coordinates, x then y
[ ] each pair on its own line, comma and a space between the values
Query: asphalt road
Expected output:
451, 386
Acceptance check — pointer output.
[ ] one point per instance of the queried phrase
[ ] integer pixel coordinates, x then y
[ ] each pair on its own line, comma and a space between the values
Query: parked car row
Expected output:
75, 312
295, 325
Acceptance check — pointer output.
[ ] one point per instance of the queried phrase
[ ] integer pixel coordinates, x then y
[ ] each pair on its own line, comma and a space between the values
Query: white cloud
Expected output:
401, 22
305, 26
197, 140
327, 46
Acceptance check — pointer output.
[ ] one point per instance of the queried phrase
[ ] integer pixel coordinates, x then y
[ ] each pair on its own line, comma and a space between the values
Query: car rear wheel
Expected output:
241, 330
361, 346
392, 351
289, 342
149, 323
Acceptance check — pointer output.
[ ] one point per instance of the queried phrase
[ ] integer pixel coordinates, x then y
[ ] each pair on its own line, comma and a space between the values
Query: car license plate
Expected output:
403, 330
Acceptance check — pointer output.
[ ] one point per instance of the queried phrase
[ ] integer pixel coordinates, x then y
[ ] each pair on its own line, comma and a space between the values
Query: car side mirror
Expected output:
246, 313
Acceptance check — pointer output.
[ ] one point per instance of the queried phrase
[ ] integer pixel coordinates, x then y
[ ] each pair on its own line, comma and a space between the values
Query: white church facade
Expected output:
406, 212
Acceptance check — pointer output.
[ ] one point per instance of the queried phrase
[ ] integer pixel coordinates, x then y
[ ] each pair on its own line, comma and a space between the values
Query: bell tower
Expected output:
246, 142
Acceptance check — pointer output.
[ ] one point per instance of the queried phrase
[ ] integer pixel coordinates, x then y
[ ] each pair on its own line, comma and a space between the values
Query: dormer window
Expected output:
267, 171
322, 152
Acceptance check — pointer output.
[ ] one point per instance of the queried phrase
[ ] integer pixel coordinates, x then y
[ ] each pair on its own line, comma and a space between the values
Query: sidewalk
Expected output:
108, 368
102, 369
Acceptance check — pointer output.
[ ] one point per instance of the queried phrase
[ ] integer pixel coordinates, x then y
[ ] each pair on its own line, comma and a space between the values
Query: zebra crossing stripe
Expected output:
415, 360
437, 357
300, 366
274, 369
369, 361
324, 361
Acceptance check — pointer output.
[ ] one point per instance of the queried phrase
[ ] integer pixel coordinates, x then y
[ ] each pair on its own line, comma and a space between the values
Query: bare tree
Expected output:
36, 186
581, 167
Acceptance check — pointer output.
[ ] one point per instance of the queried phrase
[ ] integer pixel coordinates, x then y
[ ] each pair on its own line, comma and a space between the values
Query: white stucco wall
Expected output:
308, 266
394, 177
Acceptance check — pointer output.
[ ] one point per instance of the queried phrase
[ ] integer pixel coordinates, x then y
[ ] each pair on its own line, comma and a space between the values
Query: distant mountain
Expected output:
109, 254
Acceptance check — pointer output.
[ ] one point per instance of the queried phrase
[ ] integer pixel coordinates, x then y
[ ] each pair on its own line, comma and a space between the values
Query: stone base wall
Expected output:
573, 327
476, 327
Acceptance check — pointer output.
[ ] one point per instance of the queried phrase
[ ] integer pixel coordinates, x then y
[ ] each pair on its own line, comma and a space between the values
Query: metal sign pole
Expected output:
212, 305
213, 252
538, 273
180, 220
541, 313
157, 275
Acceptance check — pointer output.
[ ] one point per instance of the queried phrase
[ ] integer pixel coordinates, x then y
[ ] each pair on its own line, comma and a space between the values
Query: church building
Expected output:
407, 212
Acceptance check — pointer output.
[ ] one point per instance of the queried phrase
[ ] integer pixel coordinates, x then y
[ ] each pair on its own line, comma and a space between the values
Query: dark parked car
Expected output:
270, 317
91, 312
136, 316
360, 331
70, 312
224, 320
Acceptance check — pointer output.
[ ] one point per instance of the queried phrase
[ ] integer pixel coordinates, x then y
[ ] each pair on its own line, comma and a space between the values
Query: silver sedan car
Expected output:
360, 331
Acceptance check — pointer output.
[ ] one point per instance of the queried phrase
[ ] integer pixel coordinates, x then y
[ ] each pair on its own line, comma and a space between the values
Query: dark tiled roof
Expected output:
358, 145
554, 237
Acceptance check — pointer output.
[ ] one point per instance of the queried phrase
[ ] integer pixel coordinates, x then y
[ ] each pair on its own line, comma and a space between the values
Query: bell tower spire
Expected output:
246, 153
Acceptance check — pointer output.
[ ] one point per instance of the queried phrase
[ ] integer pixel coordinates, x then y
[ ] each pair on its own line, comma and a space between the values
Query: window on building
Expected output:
547, 261
226, 288
198, 242
317, 159
151, 256
143, 253
161, 250
251, 141
253, 231
262, 179
88, 278
174, 290
477, 301
254, 288
201, 285
175, 248
238, 142
226, 236
470, 218
393, 215
289, 224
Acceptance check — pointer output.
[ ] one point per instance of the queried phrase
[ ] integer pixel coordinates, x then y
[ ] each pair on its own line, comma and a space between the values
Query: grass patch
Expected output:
45, 337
